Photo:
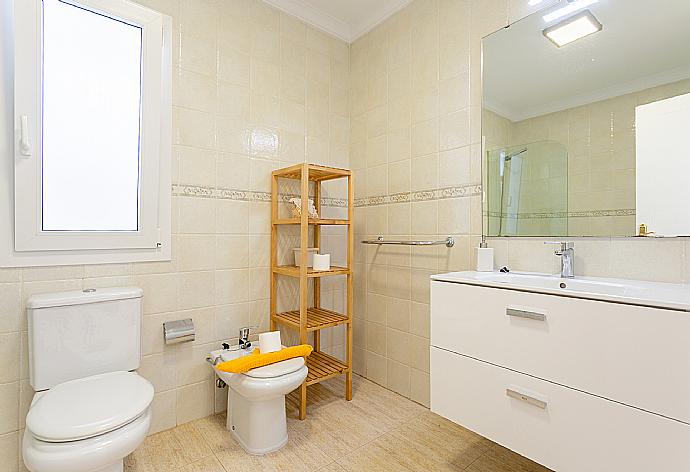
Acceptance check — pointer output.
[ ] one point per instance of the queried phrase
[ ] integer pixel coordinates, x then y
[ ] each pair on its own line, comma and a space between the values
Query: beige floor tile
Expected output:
377, 431
411, 455
296, 456
435, 443
303, 452
373, 457
338, 427
426, 443
334, 467
382, 407
488, 464
209, 464
336, 431
514, 460
169, 450
212, 429
500, 459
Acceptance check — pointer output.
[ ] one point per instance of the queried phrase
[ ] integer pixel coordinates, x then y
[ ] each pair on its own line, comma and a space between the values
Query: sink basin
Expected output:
599, 286
224, 355
634, 292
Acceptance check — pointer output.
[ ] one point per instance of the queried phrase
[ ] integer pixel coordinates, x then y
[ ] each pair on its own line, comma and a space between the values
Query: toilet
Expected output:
256, 400
90, 409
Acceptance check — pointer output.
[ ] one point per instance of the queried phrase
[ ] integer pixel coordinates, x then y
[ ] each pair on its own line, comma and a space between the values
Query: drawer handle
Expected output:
530, 315
512, 393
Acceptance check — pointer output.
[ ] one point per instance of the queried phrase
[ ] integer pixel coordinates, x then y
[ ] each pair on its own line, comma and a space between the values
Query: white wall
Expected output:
663, 165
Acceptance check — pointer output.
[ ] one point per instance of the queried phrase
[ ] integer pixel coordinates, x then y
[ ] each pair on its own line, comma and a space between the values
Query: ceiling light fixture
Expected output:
573, 28
571, 7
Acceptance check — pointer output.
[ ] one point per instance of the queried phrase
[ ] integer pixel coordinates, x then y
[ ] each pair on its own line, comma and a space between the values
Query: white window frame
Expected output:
28, 243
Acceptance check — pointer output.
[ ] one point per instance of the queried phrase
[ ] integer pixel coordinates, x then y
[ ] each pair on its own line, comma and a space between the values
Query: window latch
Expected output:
24, 143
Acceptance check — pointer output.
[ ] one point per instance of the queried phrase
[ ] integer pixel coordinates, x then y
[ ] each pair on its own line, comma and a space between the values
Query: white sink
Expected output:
635, 292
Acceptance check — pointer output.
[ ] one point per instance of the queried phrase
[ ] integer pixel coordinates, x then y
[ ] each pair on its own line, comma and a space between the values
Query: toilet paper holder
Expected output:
178, 331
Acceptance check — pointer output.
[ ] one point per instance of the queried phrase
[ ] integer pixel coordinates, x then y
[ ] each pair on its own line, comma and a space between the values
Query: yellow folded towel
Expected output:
256, 359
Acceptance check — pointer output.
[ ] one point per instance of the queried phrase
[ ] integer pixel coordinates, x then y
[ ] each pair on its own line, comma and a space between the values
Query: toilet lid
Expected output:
88, 407
276, 370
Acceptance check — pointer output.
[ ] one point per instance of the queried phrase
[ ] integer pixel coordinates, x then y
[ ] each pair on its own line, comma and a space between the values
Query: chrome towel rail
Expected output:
448, 242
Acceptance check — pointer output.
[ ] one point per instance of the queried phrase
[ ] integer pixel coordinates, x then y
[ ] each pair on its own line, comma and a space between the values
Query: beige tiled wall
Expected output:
415, 152
416, 156
659, 260
416, 126
254, 90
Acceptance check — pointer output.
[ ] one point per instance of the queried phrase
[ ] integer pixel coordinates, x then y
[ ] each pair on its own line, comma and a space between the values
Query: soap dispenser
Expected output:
485, 257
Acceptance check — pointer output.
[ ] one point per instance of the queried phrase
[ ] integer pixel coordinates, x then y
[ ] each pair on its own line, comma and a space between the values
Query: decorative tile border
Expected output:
199, 191
599, 213
528, 216
420, 196
564, 214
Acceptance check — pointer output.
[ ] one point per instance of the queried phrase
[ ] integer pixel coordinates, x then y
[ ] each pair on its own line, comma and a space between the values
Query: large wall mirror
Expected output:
586, 120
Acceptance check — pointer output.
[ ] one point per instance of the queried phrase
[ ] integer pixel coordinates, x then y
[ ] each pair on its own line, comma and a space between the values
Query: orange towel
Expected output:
256, 359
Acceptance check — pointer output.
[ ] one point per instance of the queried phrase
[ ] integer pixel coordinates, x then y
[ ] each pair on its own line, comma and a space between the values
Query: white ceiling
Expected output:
643, 44
346, 19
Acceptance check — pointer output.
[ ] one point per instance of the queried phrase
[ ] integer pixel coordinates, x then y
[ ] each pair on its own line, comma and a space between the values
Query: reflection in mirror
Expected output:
528, 190
574, 142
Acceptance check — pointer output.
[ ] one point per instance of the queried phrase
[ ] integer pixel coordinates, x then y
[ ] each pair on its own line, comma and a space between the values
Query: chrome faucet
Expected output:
567, 255
244, 338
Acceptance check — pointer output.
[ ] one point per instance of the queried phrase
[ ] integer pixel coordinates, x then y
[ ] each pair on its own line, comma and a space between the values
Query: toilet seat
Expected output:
85, 408
87, 455
276, 370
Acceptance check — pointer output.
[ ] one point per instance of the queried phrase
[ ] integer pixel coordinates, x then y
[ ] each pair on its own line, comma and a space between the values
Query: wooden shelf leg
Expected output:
303, 401
317, 280
348, 375
350, 287
303, 281
274, 250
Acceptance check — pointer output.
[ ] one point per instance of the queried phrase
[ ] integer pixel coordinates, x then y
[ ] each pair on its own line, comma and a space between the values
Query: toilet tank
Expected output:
82, 333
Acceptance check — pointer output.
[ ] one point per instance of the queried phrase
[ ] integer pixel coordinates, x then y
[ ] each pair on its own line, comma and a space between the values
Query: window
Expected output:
93, 116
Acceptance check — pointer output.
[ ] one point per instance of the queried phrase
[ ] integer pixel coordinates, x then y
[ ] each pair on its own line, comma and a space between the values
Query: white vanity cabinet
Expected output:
574, 384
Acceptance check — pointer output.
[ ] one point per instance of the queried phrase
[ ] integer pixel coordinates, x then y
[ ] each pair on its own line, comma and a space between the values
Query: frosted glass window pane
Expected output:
91, 120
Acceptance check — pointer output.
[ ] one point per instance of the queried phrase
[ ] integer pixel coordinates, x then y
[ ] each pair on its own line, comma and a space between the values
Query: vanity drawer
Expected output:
561, 428
635, 355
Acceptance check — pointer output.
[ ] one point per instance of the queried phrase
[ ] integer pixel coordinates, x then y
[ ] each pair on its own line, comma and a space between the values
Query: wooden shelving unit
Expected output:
294, 271
317, 318
313, 319
312, 221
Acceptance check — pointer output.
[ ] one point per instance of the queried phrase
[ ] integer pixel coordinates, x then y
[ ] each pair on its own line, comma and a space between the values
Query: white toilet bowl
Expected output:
87, 425
256, 401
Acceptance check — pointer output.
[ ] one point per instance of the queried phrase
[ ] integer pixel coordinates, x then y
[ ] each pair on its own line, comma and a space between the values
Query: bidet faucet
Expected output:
244, 338
567, 255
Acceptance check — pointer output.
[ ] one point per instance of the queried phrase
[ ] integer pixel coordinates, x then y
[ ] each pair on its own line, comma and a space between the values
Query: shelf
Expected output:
322, 366
317, 318
316, 173
294, 271
312, 221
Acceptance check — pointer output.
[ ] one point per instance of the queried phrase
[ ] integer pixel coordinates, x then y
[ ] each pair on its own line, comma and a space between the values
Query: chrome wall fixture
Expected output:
178, 331
448, 242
